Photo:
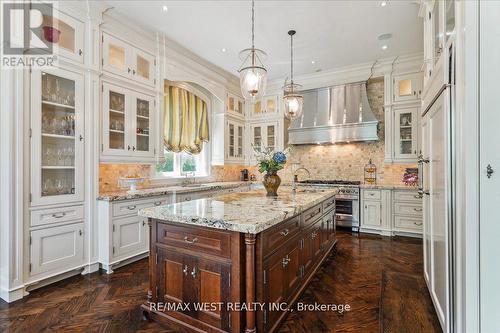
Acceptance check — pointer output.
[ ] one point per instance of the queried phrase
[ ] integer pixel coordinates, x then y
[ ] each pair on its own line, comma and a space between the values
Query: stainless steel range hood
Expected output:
334, 115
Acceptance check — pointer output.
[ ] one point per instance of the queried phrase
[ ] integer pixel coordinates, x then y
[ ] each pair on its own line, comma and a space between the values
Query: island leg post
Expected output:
250, 282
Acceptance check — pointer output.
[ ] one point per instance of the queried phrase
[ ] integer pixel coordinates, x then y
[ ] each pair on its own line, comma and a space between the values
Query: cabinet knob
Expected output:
81, 137
129, 70
133, 71
185, 270
80, 232
80, 52
128, 147
133, 148
143, 223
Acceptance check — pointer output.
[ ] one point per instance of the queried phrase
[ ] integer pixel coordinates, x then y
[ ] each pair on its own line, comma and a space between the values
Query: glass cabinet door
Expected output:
241, 108
114, 120
257, 108
271, 104
57, 136
115, 55
144, 114
65, 33
257, 137
271, 136
231, 140
240, 141
143, 67
406, 133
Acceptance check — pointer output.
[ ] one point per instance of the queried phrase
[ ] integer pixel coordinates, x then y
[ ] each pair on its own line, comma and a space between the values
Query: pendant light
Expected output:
293, 100
253, 74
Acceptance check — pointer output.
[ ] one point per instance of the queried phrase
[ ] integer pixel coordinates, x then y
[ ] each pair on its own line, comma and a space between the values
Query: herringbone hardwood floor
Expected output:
356, 273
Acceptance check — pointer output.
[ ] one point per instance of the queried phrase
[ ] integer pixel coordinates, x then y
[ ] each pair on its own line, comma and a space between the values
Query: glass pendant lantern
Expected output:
253, 74
292, 99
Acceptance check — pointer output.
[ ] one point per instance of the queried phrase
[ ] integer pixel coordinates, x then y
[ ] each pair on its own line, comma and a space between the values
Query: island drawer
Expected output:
274, 237
312, 214
206, 241
328, 204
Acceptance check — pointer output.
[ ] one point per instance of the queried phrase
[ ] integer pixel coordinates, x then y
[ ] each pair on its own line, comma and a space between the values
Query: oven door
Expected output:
347, 212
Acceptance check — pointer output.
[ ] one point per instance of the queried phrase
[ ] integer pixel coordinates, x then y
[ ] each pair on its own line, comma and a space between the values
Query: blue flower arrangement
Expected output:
270, 161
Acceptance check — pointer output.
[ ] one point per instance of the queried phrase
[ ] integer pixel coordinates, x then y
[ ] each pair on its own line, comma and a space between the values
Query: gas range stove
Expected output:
346, 200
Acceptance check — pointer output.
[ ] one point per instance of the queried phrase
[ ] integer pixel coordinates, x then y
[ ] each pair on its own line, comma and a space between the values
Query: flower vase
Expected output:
271, 182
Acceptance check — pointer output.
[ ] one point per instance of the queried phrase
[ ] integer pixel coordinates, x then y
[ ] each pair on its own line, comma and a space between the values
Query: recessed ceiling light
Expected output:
164, 8
383, 3
313, 62
384, 36
223, 49
384, 47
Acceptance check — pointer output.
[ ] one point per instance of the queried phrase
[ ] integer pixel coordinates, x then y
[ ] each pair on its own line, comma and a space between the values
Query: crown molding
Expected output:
353, 73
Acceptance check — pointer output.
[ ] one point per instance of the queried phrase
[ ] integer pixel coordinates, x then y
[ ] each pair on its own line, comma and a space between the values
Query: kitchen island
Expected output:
236, 262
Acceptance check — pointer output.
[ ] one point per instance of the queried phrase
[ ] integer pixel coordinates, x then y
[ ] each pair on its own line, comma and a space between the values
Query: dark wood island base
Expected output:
210, 280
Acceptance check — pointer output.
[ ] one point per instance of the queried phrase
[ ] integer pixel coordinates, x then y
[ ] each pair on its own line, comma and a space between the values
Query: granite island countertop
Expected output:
247, 212
164, 190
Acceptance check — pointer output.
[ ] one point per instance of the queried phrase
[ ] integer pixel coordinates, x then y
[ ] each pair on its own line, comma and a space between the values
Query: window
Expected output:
184, 164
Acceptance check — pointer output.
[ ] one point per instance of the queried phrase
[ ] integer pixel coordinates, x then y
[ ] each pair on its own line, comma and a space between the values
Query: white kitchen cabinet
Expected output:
123, 235
65, 33
407, 87
267, 106
128, 119
235, 135
406, 127
129, 235
121, 58
57, 136
372, 213
265, 135
56, 249
407, 212
235, 105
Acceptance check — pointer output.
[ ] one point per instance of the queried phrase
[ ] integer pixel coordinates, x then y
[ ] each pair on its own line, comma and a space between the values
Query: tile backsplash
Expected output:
109, 175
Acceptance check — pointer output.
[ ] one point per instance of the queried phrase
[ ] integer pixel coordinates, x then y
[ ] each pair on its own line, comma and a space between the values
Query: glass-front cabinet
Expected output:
235, 135
264, 135
121, 58
65, 33
57, 136
127, 123
406, 133
235, 105
407, 87
267, 105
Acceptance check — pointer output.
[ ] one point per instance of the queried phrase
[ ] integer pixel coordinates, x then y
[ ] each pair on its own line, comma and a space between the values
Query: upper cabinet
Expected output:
66, 34
407, 87
235, 105
57, 136
235, 134
264, 107
127, 124
121, 58
405, 133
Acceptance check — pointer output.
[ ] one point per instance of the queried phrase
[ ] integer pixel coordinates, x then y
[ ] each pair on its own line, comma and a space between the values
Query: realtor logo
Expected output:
28, 34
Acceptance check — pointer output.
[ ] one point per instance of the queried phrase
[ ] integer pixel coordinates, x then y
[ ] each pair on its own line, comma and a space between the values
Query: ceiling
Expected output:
331, 33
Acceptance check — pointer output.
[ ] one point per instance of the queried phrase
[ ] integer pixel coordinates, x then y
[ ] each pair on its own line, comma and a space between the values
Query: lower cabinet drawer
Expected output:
56, 249
311, 215
206, 241
274, 237
408, 209
406, 196
56, 215
403, 222
328, 204
372, 194
131, 207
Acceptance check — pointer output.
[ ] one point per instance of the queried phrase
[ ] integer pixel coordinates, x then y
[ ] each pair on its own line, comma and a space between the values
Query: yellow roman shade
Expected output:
185, 124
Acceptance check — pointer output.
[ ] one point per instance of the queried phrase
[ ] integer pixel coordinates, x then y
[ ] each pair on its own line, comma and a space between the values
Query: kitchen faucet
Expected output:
296, 177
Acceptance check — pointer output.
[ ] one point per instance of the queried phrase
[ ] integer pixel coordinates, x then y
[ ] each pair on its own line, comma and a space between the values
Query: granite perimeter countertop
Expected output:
165, 190
247, 212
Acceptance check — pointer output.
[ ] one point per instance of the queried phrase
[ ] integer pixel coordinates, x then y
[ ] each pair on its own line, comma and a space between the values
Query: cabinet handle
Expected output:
185, 270
414, 93
81, 137
187, 240
131, 207
284, 232
80, 232
193, 272
143, 223
418, 196
417, 209
313, 235
129, 70
58, 215
187, 199
285, 261
419, 224
128, 147
80, 52
157, 203
133, 71
133, 148
371, 194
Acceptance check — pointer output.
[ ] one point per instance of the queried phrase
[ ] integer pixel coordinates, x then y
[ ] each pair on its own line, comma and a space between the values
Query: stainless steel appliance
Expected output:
346, 201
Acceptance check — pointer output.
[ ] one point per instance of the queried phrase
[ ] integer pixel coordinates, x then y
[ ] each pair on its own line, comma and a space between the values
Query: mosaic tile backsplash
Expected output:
341, 161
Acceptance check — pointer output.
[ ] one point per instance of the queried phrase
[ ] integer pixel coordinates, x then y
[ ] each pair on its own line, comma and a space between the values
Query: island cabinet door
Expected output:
212, 284
175, 285
311, 246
